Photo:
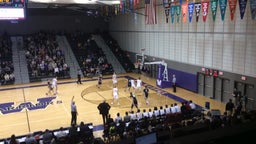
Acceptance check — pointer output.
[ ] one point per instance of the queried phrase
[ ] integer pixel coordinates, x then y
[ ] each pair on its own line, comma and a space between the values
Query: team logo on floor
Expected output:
42, 103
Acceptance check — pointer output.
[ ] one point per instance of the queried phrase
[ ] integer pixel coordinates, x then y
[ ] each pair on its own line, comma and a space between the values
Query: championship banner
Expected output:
223, 5
253, 9
178, 9
205, 7
160, 82
197, 9
242, 7
232, 8
190, 11
184, 12
214, 6
173, 11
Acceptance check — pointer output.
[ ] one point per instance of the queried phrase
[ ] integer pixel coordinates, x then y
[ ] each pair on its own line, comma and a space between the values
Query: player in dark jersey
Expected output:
50, 87
134, 101
99, 80
146, 91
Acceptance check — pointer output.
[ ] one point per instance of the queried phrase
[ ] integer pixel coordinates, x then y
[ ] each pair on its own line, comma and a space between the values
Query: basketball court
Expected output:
27, 108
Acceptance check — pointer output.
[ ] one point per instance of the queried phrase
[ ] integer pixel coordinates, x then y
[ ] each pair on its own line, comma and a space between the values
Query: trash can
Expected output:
207, 105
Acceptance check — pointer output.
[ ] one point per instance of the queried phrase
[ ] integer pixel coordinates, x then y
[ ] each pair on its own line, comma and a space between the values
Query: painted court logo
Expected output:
42, 103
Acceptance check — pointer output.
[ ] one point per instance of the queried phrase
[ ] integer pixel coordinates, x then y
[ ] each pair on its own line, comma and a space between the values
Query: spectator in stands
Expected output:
47, 137
73, 134
230, 106
127, 117
118, 119
13, 140
61, 135
30, 139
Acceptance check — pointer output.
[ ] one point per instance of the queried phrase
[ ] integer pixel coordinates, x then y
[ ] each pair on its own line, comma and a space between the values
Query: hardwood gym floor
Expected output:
48, 112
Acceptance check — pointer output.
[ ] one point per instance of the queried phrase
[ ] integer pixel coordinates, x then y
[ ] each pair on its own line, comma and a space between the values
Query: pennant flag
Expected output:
242, 6
150, 11
167, 11
190, 11
131, 4
214, 6
253, 9
173, 11
122, 6
197, 9
223, 5
135, 17
178, 9
166, 6
184, 12
232, 7
205, 7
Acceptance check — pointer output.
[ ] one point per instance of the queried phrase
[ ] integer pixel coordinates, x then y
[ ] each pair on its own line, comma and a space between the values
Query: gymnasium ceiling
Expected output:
41, 7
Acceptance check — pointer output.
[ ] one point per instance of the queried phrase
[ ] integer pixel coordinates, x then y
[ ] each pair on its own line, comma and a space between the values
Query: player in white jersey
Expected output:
139, 84
133, 84
115, 95
55, 85
114, 79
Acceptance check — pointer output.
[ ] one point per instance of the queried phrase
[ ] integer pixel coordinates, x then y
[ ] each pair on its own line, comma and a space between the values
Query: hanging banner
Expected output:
205, 7
122, 6
232, 8
242, 6
190, 11
197, 9
173, 11
178, 11
214, 6
135, 15
167, 12
184, 12
253, 9
166, 6
223, 5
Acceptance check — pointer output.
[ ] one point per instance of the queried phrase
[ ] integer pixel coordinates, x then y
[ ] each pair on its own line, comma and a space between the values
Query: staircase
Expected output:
19, 61
70, 58
118, 68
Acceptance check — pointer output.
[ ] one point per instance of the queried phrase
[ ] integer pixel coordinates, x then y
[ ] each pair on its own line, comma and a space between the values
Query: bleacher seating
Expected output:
6, 70
44, 57
90, 57
122, 56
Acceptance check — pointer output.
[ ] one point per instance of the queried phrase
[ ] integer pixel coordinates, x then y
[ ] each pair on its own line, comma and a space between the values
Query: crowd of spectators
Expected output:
122, 56
91, 58
44, 56
6, 70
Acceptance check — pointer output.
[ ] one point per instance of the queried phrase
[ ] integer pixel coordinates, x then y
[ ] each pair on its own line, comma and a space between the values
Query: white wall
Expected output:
225, 45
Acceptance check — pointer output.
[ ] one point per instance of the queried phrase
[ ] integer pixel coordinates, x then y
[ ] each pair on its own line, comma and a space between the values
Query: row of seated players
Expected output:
133, 121
44, 56
82, 134
169, 118
91, 58
6, 70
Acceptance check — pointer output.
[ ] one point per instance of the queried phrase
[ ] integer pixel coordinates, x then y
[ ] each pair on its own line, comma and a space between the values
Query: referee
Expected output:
73, 111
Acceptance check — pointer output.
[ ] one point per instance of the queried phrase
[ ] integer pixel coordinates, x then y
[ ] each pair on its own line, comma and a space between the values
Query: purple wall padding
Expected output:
184, 80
